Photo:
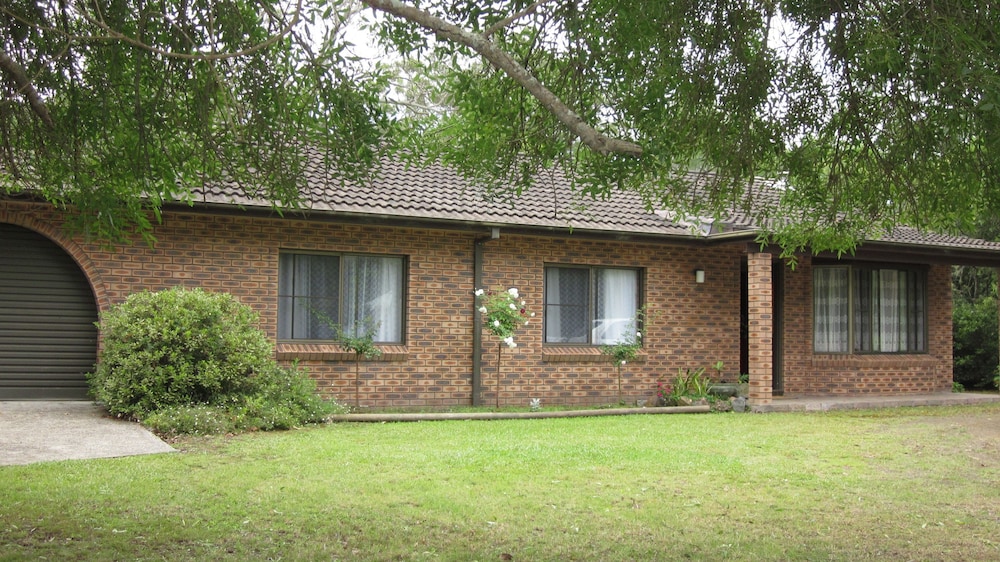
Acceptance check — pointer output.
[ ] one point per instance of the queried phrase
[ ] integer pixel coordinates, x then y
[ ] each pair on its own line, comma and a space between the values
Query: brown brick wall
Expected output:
809, 373
690, 325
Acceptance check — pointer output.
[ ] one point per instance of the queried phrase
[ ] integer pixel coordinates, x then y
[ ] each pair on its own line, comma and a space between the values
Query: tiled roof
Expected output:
438, 193
904, 235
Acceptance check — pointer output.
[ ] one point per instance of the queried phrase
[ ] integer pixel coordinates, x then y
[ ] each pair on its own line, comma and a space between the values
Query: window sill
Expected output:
580, 354
288, 351
873, 360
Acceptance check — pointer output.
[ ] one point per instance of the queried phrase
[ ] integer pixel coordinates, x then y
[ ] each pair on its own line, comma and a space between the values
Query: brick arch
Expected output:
74, 250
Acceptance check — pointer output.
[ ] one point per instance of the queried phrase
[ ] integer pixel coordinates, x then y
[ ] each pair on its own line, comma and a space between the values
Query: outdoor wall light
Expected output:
699, 276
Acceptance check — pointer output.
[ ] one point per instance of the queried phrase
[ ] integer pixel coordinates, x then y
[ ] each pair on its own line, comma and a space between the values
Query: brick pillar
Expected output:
760, 300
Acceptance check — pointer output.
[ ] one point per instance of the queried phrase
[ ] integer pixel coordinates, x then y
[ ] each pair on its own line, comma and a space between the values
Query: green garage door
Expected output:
47, 312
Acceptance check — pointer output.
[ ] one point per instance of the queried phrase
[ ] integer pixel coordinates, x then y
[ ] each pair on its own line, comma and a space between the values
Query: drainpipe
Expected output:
477, 317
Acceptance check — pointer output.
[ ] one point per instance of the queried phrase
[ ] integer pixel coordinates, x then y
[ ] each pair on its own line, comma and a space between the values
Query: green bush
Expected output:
190, 361
975, 342
282, 398
174, 348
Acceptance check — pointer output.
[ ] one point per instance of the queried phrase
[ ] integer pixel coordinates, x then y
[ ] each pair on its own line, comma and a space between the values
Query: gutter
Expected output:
408, 221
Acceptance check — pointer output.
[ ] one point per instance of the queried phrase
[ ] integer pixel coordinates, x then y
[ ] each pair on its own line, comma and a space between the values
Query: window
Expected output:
589, 304
869, 310
318, 291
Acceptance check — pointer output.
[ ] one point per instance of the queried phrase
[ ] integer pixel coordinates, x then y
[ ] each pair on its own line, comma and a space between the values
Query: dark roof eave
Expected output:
913, 252
438, 223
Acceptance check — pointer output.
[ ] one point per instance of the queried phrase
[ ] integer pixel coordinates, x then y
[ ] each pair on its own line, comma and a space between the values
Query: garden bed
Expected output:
432, 416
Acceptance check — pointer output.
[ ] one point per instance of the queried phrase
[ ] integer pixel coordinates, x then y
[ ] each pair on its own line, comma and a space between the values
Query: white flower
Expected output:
480, 292
509, 340
513, 306
532, 314
638, 334
482, 309
496, 323
524, 303
623, 361
512, 292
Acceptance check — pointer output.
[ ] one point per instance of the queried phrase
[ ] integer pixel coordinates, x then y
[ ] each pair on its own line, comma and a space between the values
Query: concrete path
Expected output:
864, 402
49, 431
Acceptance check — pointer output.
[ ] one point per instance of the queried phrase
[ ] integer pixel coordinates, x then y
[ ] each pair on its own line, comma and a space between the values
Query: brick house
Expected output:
409, 250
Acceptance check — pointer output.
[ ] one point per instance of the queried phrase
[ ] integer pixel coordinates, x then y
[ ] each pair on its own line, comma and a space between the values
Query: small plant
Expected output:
363, 347
535, 405
957, 387
719, 367
503, 313
664, 391
627, 348
689, 385
190, 420
996, 380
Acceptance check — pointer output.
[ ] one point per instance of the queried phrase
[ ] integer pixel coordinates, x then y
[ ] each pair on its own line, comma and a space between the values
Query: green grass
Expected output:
906, 484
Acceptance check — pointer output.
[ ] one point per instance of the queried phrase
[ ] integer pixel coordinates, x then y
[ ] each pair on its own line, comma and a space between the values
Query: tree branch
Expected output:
118, 36
509, 20
113, 35
27, 89
595, 140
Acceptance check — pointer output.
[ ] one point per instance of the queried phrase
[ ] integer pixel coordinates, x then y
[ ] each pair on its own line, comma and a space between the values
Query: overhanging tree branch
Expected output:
26, 88
592, 138
115, 35
511, 19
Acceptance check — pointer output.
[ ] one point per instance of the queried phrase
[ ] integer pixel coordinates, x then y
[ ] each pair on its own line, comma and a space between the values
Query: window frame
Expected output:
341, 292
591, 302
852, 270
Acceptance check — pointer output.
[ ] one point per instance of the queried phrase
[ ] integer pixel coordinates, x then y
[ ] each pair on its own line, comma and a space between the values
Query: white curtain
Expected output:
830, 297
373, 297
617, 292
889, 310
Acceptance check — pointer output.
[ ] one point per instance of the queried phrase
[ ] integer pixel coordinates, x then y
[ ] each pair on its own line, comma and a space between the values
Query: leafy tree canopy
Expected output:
872, 113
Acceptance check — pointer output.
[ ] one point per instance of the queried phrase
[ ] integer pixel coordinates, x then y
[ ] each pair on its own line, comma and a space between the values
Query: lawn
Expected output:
904, 484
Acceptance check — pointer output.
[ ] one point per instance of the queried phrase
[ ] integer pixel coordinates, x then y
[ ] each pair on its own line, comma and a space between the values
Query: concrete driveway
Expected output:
41, 431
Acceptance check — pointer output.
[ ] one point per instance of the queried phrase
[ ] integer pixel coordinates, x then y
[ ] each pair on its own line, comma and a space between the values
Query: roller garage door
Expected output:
48, 340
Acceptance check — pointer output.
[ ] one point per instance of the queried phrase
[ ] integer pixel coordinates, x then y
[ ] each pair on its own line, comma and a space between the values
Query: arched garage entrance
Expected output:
48, 340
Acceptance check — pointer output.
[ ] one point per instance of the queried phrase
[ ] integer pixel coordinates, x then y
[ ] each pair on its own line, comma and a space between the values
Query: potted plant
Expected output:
721, 387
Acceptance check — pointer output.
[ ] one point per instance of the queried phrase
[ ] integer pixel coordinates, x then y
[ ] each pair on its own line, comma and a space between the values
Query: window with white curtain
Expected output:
595, 305
869, 310
317, 292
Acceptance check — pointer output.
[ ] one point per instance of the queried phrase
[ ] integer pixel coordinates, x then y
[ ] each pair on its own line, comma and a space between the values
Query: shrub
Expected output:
975, 342
189, 361
176, 347
282, 398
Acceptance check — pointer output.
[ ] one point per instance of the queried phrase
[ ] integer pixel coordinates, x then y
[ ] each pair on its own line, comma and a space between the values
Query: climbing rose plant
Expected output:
503, 313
